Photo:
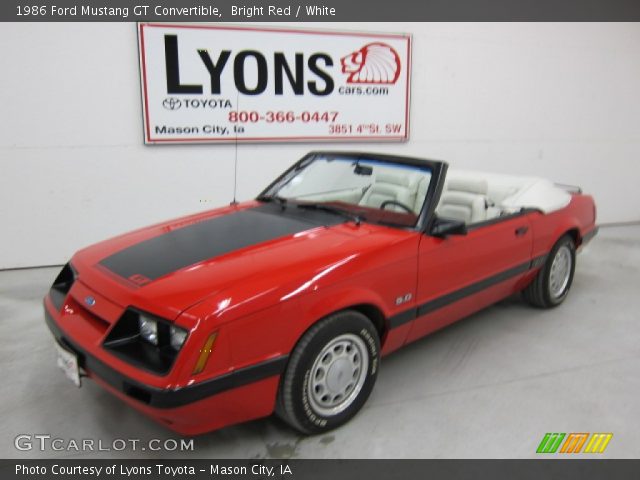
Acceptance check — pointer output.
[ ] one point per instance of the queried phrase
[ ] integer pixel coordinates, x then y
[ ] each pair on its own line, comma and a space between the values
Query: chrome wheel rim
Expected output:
338, 374
560, 272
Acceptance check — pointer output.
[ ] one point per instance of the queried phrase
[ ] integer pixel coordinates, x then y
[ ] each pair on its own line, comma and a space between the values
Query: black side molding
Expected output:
440, 302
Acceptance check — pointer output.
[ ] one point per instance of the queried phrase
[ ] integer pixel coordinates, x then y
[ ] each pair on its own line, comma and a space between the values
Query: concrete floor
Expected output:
489, 386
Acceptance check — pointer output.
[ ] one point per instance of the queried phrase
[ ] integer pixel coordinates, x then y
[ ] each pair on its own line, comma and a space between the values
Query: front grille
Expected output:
97, 322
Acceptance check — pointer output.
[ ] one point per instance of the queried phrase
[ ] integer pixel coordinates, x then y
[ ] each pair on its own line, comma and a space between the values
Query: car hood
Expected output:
167, 268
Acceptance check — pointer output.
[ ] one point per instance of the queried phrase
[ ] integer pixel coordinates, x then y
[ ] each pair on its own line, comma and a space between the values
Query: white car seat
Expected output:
465, 199
396, 186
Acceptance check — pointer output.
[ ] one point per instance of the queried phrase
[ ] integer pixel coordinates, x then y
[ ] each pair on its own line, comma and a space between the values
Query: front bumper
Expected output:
238, 396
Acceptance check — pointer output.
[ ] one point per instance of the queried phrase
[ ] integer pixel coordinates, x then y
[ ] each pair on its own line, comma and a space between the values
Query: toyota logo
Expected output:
172, 103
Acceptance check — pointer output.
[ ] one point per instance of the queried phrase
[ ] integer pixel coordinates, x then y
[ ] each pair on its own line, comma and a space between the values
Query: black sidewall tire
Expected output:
294, 392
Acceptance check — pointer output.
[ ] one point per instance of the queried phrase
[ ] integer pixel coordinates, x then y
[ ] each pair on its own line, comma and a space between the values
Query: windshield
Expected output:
370, 189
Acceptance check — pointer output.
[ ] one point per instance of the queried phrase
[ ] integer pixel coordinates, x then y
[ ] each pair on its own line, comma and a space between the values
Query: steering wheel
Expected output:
398, 204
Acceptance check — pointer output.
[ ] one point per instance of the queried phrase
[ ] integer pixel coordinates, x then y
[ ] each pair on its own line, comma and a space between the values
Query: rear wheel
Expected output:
330, 374
552, 283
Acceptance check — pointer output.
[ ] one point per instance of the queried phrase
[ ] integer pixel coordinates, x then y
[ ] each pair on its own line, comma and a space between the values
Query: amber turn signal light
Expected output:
204, 353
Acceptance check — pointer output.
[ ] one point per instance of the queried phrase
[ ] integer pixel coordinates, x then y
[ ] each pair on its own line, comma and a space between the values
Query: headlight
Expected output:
61, 285
146, 340
148, 329
177, 337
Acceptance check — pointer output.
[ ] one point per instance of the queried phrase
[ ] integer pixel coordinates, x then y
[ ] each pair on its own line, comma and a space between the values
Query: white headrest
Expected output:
468, 184
459, 198
397, 178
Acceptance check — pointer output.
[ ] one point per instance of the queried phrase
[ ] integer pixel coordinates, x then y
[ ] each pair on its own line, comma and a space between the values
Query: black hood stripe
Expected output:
162, 255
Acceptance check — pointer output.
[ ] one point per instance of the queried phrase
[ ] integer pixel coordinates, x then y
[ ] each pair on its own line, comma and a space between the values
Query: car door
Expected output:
460, 274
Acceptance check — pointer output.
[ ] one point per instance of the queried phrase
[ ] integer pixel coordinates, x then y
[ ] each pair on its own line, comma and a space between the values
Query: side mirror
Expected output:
443, 227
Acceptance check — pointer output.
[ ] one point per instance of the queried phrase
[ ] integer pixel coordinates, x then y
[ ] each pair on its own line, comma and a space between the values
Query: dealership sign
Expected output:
204, 83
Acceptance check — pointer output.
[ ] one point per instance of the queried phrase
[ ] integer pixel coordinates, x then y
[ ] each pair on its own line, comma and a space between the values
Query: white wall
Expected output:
557, 100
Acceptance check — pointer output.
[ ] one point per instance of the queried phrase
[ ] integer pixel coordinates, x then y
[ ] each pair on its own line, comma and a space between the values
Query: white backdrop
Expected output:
556, 100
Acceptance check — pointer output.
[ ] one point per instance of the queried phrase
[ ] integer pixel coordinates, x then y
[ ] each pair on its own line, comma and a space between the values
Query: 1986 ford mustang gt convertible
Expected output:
288, 302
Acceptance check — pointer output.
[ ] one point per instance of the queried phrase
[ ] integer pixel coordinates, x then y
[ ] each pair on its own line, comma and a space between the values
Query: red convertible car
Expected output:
287, 303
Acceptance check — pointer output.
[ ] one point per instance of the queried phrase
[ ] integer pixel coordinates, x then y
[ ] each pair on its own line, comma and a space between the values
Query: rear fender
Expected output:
578, 216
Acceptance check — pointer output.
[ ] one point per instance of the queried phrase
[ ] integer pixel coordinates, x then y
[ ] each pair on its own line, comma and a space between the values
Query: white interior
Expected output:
398, 186
473, 197
337, 182
468, 196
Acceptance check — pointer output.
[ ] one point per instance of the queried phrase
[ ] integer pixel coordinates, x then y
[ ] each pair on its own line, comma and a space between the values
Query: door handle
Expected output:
520, 231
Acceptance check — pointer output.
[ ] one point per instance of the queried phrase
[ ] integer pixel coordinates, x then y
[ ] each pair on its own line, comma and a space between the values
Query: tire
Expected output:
330, 373
552, 283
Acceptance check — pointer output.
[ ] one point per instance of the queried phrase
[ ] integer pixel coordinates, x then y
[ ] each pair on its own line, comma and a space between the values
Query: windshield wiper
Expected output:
273, 198
331, 209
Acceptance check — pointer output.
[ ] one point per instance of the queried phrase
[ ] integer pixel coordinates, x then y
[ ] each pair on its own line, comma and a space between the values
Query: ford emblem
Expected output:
90, 301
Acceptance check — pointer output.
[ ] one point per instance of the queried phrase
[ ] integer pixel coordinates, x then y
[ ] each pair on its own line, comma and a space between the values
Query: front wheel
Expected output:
552, 283
330, 374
